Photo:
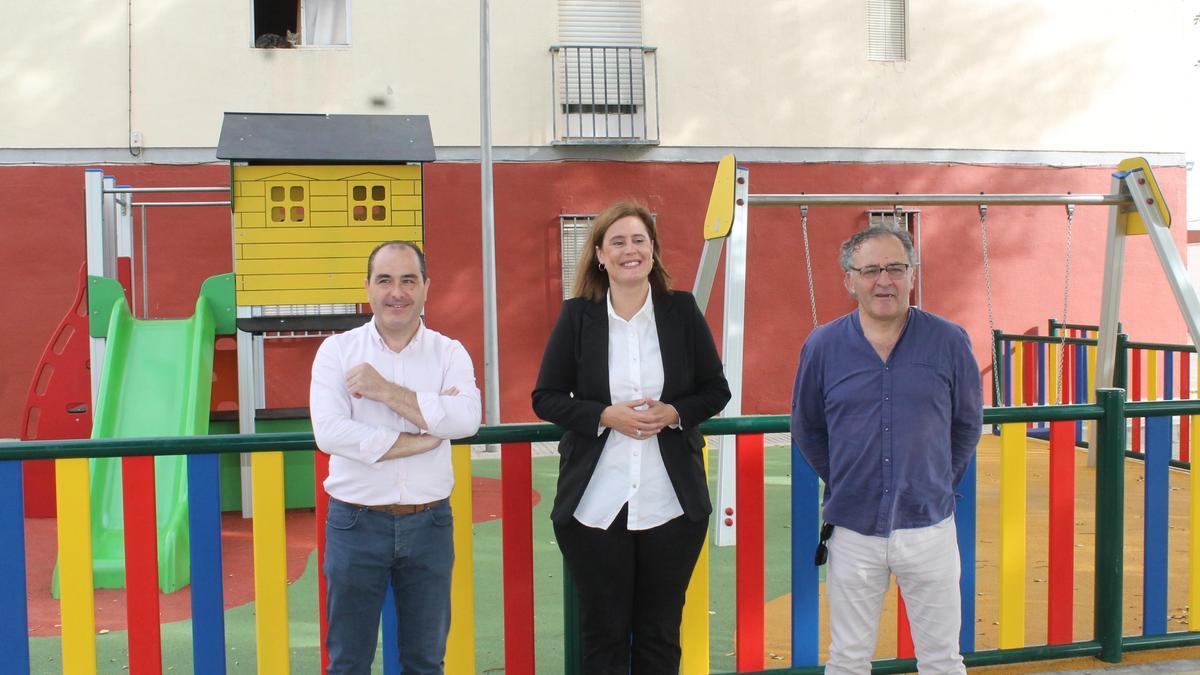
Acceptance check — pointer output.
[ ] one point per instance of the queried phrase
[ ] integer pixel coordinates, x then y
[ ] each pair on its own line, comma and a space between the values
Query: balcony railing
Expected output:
605, 94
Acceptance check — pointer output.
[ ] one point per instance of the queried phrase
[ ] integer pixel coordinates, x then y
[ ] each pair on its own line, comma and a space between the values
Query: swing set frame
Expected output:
1136, 207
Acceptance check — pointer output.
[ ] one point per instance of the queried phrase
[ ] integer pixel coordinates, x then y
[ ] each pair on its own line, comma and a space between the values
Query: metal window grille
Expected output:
886, 27
910, 221
574, 231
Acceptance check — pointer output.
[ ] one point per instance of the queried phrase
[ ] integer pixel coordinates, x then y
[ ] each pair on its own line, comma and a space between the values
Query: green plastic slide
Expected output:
156, 381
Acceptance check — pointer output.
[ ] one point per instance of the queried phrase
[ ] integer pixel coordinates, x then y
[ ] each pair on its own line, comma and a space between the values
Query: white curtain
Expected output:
325, 22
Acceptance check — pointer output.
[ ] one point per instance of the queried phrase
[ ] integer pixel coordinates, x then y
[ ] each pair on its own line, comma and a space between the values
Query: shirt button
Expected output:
886, 459
886, 428
887, 398
885, 491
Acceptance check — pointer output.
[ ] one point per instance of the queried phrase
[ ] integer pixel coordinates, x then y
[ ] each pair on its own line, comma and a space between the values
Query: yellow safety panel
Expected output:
260, 173
719, 219
693, 628
302, 232
330, 219
1194, 530
286, 250
302, 297
1133, 220
249, 205
275, 282
270, 563
331, 203
1012, 535
328, 188
406, 203
326, 172
460, 643
78, 604
304, 265
248, 188
374, 235
249, 220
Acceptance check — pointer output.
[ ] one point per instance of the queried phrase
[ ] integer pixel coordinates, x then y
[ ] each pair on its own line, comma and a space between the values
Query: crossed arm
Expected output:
452, 413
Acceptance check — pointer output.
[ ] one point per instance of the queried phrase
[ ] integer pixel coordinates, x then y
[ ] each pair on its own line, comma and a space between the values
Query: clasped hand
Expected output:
639, 418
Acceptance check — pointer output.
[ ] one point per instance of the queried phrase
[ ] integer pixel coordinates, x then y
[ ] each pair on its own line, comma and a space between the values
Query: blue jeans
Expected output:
364, 550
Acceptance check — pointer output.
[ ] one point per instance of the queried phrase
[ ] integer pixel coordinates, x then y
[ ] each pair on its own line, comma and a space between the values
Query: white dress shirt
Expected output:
631, 469
356, 432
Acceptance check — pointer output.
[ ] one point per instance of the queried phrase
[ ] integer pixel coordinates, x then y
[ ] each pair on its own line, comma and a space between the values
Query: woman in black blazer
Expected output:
629, 371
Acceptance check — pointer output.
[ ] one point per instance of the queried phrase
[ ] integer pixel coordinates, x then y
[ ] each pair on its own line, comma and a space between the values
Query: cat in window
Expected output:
277, 41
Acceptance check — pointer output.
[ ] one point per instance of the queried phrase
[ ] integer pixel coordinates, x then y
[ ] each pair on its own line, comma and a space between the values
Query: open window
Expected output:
281, 24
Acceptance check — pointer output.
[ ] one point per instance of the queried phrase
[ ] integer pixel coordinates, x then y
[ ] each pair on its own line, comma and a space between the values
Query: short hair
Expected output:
590, 281
875, 231
398, 244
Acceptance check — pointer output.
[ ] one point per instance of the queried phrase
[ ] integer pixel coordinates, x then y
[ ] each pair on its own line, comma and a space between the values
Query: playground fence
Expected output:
1105, 641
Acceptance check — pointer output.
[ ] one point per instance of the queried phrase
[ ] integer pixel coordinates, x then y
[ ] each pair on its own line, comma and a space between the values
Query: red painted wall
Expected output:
44, 245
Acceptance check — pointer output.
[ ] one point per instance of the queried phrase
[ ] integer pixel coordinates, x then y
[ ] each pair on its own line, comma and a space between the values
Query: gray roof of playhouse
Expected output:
274, 137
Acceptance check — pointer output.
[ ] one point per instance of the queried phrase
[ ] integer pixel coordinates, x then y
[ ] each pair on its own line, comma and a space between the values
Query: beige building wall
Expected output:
1075, 75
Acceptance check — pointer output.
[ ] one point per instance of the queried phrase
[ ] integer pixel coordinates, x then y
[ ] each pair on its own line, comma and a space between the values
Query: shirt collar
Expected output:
378, 340
646, 310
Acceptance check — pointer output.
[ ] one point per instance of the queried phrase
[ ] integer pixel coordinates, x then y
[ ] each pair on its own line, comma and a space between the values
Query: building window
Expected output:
301, 23
604, 79
900, 218
886, 30
574, 231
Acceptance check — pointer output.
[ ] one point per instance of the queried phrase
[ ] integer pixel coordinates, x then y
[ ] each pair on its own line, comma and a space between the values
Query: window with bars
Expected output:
886, 25
909, 221
573, 231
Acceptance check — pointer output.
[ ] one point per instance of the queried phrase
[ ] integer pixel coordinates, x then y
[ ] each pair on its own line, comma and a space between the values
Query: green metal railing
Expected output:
1110, 411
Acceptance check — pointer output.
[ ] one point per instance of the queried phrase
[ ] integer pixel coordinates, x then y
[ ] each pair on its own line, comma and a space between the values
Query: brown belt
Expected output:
396, 509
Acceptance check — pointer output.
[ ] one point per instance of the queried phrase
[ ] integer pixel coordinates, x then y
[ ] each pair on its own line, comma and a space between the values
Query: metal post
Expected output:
1110, 306
1110, 532
1120, 374
1168, 255
491, 351
93, 184
732, 345
997, 360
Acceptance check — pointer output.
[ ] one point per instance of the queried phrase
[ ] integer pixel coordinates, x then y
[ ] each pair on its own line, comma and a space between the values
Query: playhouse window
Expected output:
300, 23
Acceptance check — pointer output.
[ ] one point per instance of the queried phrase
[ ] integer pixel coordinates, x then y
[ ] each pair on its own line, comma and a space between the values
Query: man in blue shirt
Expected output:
887, 409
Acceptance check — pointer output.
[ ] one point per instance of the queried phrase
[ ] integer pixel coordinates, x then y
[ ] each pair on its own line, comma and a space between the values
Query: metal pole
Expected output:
939, 199
1110, 527
137, 190
491, 357
205, 203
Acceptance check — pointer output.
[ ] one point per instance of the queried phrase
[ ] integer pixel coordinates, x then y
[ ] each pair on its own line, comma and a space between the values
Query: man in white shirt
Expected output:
386, 399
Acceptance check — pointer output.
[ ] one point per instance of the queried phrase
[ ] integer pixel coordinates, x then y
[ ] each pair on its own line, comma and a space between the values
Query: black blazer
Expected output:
572, 391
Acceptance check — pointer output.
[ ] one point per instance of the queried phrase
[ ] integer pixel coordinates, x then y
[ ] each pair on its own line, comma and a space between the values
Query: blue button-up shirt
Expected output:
890, 439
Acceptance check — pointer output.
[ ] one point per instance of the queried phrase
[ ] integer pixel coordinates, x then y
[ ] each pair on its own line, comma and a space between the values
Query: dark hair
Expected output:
399, 244
858, 238
591, 282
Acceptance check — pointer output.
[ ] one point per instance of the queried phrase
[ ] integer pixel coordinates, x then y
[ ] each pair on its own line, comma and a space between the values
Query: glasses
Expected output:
871, 272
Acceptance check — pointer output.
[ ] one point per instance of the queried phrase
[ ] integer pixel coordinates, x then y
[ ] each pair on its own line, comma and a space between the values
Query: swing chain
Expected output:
1062, 343
812, 294
987, 284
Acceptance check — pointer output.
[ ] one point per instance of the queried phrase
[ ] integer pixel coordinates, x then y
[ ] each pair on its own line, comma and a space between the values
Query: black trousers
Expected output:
631, 586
